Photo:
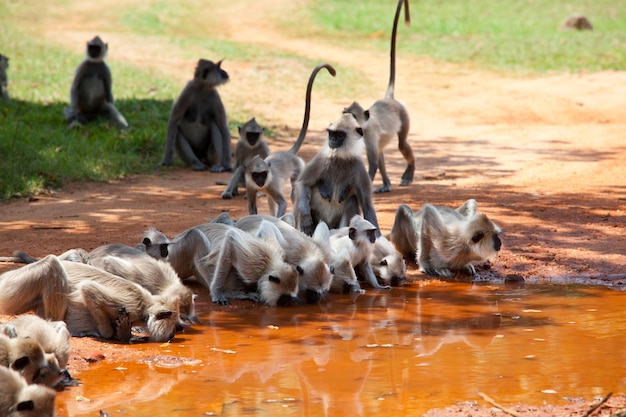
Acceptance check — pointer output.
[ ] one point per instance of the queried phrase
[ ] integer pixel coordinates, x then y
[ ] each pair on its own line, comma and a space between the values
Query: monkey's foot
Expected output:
227, 195
123, 326
221, 300
221, 168
199, 166
75, 125
385, 188
405, 182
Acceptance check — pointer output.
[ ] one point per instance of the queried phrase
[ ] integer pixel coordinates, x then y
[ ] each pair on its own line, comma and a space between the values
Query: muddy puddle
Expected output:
384, 353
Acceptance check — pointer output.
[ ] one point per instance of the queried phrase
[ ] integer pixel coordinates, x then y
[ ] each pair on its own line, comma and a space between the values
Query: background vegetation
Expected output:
38, 151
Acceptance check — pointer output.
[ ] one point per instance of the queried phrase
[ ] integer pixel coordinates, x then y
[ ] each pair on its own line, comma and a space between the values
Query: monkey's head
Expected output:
345, 137
250, 132
52, 373
258, 171
279, 285
155, 244
163, 318
483, 237
357, 111
34, 401
96, 49
344, 280
315, 278
361, 230
391, 269
27, 358
210, 72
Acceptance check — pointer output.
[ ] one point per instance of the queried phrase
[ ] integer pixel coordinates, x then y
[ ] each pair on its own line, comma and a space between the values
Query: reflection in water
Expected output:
389, 353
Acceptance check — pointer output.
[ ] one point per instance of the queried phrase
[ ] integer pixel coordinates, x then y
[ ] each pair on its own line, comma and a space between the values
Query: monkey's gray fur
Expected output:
309, 254
359, 238
87, 298
240, 260
334, 185
444, 241
270, 174
387, 263
91, 92
251, 143
4, 80
156, 276
19, 399
386, 119
198, 125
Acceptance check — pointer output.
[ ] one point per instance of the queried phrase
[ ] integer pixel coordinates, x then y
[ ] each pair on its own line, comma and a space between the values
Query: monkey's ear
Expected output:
299, 270
383, 262
269, 163
20, 363
146, 241
352, 233
162, 315
332, 269
359, 131
274, 279
366, 113
25, 406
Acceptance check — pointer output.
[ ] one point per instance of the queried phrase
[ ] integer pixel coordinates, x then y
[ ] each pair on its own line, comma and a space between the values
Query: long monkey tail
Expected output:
307, 106
392, 53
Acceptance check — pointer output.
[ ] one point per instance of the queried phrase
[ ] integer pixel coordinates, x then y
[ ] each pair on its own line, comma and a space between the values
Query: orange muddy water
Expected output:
386, 353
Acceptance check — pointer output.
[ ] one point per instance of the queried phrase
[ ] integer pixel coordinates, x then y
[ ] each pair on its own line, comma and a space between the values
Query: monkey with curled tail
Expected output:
91, 92
198, 125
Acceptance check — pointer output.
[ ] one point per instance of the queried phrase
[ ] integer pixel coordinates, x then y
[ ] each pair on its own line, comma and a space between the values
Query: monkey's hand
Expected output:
306, 224
123, 326
438, 272
221, 300
167, 162
199, 166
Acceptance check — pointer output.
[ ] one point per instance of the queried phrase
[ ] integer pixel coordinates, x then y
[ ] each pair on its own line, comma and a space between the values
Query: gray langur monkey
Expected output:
19, 399
251, 143
359, 238
386, 119
54, 339
198, 125
91, 92
387, 263
334, 185
310, 254
269, 175
156, 276
187, 253
91, 301
444, 241
240, 260
4, 81
25, 356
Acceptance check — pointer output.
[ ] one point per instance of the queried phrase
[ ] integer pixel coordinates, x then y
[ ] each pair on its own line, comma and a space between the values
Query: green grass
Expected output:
511, 35
38, 151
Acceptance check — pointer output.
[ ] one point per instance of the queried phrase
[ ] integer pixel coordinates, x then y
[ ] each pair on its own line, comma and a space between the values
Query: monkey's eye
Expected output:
300, 270
383, 262
478, 237
337, 134
331, 269
359, 131
164, 315
274, 279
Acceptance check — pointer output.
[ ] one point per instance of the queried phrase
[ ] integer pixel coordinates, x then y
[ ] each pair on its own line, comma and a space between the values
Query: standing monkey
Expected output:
270, 174
250, 144
386, 119
198, 126
4, 83
90, 95
334, 185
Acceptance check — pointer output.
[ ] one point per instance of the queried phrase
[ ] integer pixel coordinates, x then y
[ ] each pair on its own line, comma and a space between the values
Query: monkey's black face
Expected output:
94, 51
224, 74
336, 138
259, 178
253, 137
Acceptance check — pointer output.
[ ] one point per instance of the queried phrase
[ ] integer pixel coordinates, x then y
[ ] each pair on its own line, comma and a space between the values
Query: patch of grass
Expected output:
519, 35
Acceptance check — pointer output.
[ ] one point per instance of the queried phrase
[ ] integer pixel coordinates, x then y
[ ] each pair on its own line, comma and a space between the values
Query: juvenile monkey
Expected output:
359, 238
251, 143
387, 263
52, 336
386, 119
156, 276
310, 254
187, 253
19, 399
240, 260
24, 356
90, 94
88, 299
198, 126
334, 185
443, 240
4, 83
270, 174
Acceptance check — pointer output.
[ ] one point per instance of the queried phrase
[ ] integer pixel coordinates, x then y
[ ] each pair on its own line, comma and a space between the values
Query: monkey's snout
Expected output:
286, 300
312, 296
